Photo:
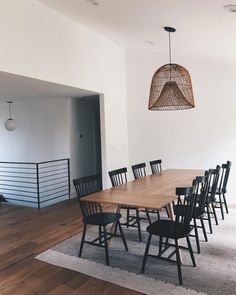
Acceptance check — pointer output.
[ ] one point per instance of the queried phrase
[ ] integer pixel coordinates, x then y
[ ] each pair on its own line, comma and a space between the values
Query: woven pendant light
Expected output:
171, 87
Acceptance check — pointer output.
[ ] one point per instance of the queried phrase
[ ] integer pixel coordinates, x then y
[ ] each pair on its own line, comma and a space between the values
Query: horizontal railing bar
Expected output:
53, 198
47, 185
53, 170
21, 163
16, 176
16, 172
59, 187
21, 186
19, 181
51, 179
33, 163
16, 190
10, 167
46, 176
52, 161
25, 201
19, 195
54, 193
45, 167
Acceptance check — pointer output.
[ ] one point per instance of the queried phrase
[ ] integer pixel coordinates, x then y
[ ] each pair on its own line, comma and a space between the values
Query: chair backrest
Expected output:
202, 189
86, 186
118, 176
224, 176
156, 166
214, 175
186, 199
139, 170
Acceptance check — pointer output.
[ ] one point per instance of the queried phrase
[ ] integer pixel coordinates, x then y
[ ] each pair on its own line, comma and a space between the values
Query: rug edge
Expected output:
117, 276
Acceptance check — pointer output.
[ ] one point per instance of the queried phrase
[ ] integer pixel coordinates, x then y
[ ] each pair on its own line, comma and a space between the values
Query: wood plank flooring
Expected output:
26, 232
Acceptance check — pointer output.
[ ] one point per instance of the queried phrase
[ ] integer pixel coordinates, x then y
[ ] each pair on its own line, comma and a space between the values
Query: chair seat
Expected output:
168, 229
102, 218
182, 209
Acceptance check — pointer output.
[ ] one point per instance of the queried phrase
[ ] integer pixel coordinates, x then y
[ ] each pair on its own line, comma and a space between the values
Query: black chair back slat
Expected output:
186, 199
118, 176
156, 166
202, 189
86, 186
224, 176
214, 175
139, 170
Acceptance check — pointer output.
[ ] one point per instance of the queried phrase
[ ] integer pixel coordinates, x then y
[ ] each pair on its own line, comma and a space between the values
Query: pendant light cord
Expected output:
9, 103
170, 54
169, 48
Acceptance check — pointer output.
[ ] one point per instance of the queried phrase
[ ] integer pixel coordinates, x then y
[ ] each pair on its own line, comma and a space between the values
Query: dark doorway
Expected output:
86, 137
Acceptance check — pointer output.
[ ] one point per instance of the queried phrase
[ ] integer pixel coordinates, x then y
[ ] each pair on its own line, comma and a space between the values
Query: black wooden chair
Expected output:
139, 170
222, 189
93, 215
178, 229
211, 198
202, 188
156, 166
119, 177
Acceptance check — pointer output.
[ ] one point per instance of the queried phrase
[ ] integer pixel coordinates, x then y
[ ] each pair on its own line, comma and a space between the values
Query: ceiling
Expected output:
14, 87
204, 28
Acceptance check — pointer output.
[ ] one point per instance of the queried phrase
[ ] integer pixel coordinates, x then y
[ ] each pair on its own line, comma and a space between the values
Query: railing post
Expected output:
68, 171
38, 191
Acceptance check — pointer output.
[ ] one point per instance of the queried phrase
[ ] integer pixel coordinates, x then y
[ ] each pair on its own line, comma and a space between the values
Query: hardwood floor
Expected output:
26, 232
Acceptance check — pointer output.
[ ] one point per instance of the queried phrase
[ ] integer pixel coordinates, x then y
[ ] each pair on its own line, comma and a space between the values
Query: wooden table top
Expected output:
152, 191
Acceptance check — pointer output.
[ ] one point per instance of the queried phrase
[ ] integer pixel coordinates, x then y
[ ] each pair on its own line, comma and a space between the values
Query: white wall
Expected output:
38, 42
199, 138
42, 133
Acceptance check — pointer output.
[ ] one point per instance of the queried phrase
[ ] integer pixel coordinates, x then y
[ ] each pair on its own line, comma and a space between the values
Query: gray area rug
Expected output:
215, 273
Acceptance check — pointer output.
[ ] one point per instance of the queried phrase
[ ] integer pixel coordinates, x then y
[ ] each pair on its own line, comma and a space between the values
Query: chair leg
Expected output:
191, 251
209, 218
115, 231
148, 216
203, 229
226, 205
127, 224
196, 235
178, 262
166, 243
167, 212
160, 245
106, 244
158, 215
122, 235
139, 227
221, 207
100, 234
214, 213
82, 240
146, 253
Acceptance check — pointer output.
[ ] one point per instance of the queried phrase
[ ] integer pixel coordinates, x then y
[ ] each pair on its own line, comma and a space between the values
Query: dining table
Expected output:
154, 191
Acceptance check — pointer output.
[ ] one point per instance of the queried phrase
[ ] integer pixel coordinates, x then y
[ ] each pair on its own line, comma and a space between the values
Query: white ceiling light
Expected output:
230, 8
10, 124
149, 42
93, 2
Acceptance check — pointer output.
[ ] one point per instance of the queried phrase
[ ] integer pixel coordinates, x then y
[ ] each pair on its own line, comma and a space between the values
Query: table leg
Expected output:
113, 227
170, 211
